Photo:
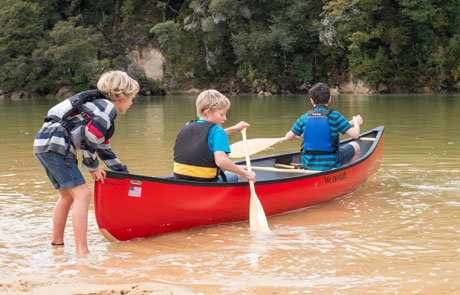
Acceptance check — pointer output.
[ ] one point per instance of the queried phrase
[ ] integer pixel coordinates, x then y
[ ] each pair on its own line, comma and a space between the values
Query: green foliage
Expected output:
260, 38
72, 53
257, 45
388, 41
21, 28
454, 46
127, 11
184, 52
169, 36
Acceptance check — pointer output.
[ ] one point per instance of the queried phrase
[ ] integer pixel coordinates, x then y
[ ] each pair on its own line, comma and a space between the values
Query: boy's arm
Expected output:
90, 161
225, 163
291, 135
96, 143
296, 130
236, 128
106, 154
355, 131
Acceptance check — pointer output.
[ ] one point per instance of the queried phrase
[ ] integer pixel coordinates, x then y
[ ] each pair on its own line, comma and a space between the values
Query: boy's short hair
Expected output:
211, 99
320, 93
115, 83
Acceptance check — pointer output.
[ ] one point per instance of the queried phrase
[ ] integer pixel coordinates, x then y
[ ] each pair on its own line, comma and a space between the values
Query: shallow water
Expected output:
398, 234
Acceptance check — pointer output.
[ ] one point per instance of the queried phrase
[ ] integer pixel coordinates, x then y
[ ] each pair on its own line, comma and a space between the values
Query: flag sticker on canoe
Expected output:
135, 191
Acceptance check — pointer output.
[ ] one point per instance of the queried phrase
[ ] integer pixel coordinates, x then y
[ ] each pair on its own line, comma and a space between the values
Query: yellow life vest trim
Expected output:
195, 171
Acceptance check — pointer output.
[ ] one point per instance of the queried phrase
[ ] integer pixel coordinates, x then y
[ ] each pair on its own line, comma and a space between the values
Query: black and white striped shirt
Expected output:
89, 138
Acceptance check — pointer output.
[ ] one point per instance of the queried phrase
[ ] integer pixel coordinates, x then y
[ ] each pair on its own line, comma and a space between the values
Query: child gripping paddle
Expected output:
320, 128
201, 147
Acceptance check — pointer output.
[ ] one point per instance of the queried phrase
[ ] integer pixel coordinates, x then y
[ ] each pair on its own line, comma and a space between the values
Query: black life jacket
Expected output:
192, 159
317, 138
74, 105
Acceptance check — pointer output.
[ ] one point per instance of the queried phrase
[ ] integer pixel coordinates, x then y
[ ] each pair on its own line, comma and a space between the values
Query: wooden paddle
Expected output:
290, 170
257, 218
367, 138
256, 145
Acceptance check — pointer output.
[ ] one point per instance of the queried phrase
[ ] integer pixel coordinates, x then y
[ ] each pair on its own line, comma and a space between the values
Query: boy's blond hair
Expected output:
211, 99
116, 83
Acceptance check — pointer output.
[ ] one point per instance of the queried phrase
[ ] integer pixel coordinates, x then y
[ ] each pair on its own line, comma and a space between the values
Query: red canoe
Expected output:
133, 206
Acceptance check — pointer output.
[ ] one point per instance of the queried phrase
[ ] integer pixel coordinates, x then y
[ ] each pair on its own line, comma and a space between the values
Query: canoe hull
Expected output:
132, 206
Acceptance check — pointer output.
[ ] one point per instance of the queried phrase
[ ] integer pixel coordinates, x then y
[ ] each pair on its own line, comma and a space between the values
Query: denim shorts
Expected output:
346, 153
231, 177
61, 176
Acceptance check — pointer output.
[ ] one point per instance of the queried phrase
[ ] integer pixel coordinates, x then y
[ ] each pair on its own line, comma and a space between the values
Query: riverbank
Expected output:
344, 88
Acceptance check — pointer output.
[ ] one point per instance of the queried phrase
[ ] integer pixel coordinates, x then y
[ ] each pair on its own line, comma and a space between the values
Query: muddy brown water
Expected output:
397, 234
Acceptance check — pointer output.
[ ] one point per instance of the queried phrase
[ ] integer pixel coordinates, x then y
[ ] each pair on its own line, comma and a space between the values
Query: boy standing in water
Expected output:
320, 129
202, 146
82, 122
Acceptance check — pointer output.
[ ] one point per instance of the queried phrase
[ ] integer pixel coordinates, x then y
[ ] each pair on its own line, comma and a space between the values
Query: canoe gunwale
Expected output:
175, 181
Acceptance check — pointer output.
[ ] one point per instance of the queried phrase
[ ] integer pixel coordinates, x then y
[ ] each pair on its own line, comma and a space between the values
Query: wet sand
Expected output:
34, 285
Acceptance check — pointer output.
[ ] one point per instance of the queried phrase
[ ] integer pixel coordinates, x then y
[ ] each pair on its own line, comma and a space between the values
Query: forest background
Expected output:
280, 46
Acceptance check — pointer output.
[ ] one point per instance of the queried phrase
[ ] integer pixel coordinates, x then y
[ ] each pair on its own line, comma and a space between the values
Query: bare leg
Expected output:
357, 149
82, 197
61, 211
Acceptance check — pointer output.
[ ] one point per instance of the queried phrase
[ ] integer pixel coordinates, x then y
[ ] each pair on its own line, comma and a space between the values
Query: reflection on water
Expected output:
397, 234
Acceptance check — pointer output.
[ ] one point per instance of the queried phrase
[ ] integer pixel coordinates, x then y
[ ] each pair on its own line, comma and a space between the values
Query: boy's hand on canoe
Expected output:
98, 174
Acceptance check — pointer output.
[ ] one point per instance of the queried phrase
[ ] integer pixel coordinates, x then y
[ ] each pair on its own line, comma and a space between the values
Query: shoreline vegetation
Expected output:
16, 95
260, 47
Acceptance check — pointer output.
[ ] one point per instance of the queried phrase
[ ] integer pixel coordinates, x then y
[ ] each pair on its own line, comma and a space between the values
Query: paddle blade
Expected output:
108, 236
255, 145
257, 219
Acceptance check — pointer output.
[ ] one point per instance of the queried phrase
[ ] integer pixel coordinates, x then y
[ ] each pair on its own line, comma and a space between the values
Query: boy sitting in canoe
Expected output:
201, 147
320, 129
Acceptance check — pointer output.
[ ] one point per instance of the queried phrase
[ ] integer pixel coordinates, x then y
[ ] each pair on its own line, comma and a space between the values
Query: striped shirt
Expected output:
90, 138
337, 123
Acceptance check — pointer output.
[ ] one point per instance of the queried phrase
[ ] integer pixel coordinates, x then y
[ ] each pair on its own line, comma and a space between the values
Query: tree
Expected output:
21, 29
269, 44
71, 57
400, 43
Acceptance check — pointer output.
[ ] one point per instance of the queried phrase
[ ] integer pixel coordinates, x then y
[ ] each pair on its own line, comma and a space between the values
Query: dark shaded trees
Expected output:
274, 45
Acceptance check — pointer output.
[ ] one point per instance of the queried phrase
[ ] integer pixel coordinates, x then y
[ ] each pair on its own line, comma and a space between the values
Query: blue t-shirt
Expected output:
217, 139
337, 123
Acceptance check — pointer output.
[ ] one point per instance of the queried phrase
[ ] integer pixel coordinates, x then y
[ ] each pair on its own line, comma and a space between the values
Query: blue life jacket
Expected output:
317, 138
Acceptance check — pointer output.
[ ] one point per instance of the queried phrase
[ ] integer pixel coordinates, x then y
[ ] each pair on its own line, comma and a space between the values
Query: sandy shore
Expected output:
32, 285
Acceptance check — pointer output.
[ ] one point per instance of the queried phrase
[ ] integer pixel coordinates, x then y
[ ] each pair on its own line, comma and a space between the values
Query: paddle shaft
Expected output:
289, 168
256, 145
271, 169
257, 218
366, 138
284, 166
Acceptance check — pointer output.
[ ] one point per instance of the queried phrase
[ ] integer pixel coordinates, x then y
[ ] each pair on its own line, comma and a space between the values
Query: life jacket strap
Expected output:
77, 102
206, 173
